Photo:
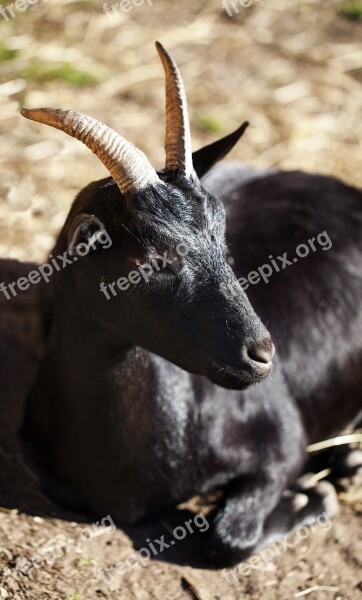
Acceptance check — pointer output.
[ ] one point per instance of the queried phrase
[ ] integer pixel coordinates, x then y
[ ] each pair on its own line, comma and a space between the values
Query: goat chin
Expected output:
234, 381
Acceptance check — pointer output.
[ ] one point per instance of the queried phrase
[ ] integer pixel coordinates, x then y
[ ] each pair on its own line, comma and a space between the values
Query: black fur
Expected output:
131, 406
313, 308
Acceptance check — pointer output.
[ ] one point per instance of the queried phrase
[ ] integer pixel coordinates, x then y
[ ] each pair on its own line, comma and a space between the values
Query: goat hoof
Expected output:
304, 505
344, 462
232, 540
322, 495
349, 465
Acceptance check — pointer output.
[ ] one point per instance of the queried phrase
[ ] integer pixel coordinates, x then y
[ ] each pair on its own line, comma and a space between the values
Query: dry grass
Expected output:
293, 70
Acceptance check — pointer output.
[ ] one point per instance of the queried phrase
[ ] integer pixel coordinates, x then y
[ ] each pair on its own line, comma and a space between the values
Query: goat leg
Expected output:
237, 525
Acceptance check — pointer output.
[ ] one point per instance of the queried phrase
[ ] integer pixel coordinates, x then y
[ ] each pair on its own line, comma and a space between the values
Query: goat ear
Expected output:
208, 156
85, 230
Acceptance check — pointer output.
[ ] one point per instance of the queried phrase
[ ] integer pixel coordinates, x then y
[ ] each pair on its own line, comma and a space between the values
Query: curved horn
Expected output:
128, 166
178, 138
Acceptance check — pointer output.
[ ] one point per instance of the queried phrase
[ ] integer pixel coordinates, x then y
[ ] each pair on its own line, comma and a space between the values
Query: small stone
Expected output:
38, 520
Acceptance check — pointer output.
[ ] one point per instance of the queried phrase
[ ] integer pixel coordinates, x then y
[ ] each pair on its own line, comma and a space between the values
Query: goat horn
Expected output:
128, 166
178, 137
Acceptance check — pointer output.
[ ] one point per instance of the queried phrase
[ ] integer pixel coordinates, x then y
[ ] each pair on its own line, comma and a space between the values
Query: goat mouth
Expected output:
237, 379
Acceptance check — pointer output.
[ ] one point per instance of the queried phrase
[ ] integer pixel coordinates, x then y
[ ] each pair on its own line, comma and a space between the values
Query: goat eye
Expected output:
137, 262
163, 264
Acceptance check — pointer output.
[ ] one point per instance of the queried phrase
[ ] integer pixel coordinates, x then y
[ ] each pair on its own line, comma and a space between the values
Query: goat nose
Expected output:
261, 353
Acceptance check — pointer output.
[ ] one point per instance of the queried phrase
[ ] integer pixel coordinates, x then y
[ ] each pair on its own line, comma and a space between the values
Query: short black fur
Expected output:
144, 400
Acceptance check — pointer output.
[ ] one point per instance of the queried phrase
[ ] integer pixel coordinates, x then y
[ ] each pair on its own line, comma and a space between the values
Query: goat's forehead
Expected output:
164, 216
179, 212
153, 232
179, 227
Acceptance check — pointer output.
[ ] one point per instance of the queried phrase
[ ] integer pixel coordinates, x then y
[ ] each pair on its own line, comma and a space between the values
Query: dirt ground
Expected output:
294, 70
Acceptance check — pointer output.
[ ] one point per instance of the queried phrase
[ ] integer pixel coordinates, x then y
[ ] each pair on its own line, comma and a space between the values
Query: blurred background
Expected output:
293, 69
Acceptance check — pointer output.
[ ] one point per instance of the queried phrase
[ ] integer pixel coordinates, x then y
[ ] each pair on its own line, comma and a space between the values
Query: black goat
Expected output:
144, 399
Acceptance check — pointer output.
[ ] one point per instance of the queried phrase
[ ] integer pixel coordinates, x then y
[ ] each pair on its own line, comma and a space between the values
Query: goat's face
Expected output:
165, 284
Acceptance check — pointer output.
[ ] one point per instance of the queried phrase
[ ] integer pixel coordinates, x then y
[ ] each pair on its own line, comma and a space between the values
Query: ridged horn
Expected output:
178, 137
128, 166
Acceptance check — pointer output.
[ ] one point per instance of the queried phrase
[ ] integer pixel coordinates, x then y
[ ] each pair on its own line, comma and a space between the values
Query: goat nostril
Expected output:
261, 352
